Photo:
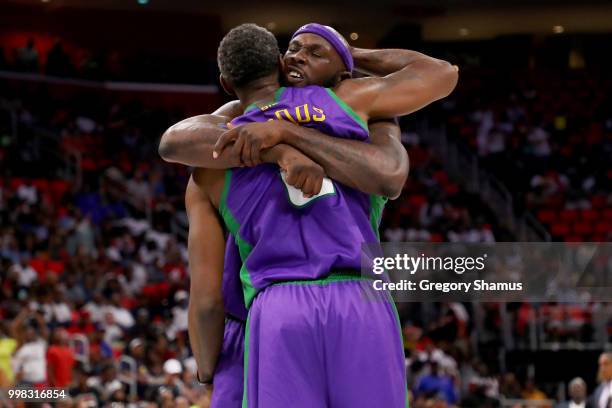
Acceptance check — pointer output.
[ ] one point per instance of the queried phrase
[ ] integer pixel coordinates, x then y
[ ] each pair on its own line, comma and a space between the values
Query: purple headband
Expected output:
333, 37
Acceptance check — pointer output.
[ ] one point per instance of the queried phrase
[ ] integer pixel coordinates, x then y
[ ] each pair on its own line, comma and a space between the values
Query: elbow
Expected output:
394, 184
395, 180
167, 147
449, 77
392, 189
206, 306
206, 373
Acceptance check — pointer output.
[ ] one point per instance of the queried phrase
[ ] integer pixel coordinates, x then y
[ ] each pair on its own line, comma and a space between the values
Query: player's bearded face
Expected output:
311, 60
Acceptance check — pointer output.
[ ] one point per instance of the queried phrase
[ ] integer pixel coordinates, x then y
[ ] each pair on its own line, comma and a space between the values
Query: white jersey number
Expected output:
297, 198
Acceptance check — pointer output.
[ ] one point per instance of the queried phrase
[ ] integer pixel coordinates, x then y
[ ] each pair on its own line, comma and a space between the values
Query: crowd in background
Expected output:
548, 137
62, 61
94, 287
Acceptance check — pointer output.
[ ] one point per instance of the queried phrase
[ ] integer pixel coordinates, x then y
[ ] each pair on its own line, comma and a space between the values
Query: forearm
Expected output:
191, 141
385, 61
367, 167
206, 324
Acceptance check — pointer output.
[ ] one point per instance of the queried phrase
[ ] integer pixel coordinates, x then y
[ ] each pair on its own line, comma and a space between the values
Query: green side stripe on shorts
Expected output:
243, 247
247, 334
401, 333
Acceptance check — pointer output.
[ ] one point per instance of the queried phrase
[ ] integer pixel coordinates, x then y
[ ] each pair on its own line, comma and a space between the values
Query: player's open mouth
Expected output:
295, 75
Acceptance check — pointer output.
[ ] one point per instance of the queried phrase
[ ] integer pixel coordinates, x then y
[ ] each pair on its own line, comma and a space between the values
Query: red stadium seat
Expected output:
15, 183
436, 237
441, 177
560, 229
589, 215
451, 189
582, 228
40, 184
598, 201
547, 216
607, 213
603, 227
573, 238
417, 200
569, 215
555, 201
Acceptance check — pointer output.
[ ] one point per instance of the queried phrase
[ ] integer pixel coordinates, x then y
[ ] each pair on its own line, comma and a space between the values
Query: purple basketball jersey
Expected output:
282, 236
233, 299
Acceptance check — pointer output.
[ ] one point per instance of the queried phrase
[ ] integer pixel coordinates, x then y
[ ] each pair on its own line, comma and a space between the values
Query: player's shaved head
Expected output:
247, 52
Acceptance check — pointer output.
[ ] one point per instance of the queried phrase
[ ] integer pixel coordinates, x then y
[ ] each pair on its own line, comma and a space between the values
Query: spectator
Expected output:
80, 389
23, 272
27, 193
58, 62
578, 392
179, 314
27, 57
532, 393
29, 362
436, 384
7, 348
60, 360
172, 378
602, 397
107, 385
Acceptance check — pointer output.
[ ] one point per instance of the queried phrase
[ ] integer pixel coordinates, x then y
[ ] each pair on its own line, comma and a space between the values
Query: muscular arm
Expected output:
379, 167
206, 246
412, 81
190, 141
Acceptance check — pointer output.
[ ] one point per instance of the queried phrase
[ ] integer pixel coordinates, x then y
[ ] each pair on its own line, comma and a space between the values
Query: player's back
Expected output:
281, 235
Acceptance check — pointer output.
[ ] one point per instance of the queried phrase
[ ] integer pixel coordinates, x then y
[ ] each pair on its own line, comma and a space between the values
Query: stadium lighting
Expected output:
558, 29
464, 32
271, 25
354, 36
143, 2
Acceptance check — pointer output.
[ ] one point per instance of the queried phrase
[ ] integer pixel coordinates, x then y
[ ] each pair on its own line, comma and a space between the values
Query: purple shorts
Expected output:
334, 342
228, 381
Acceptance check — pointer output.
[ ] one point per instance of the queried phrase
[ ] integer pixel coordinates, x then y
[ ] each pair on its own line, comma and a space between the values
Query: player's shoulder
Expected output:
230, 110
349, 87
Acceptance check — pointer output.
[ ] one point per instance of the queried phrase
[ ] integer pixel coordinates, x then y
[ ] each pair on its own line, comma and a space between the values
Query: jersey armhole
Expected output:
347, 109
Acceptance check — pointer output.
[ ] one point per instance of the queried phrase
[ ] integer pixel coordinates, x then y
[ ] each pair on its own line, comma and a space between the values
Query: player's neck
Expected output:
259, 91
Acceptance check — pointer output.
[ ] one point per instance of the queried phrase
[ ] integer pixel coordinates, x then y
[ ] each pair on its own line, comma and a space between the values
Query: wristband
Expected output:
209, 382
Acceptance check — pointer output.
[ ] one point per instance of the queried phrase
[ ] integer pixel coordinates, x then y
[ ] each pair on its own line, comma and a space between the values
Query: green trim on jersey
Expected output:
277, 95
250, 108
347, 109
377, 204
336, 275
243, 247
